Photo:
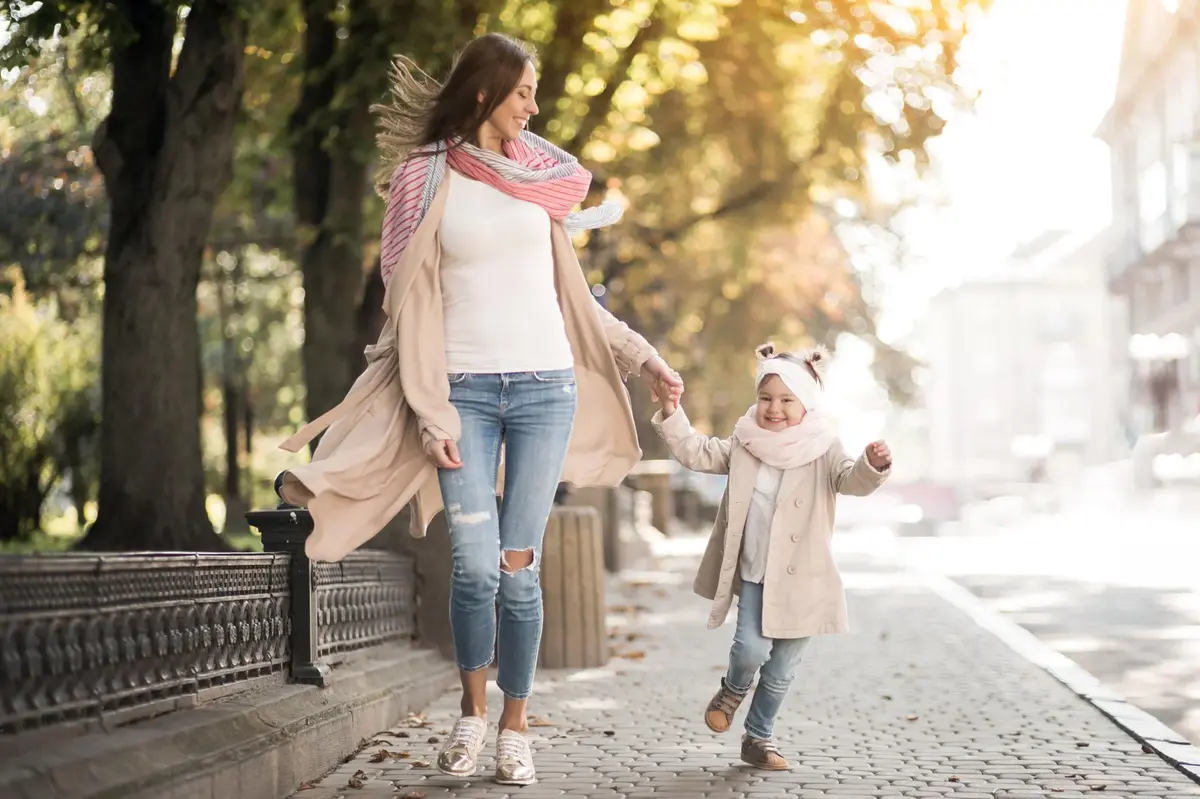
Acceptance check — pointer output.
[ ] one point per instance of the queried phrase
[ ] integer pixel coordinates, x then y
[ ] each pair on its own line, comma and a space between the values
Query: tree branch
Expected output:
565, 52
67, 78
601, 104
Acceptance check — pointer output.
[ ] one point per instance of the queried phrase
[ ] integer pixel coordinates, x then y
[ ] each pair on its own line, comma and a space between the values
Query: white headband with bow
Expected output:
795, 376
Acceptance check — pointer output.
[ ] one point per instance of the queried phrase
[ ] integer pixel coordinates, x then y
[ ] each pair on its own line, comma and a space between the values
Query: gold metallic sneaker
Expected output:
460, 755
719, 713
762, 753
514, 759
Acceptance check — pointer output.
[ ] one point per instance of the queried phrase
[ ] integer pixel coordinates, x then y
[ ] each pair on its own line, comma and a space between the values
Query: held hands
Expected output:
879, 456
666, 397
443, 454
666, 386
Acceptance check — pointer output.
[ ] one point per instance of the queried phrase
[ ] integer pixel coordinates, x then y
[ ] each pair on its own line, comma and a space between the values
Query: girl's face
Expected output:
512, 116
778, 408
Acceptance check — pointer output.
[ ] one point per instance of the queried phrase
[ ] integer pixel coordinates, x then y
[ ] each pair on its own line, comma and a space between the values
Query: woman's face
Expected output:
512, 116
778, 408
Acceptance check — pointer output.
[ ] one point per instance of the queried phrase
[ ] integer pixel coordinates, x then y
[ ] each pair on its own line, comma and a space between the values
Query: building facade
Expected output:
1023, 377
1153, 133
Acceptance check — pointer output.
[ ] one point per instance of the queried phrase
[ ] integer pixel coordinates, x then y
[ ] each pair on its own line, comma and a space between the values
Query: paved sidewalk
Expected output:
918, 702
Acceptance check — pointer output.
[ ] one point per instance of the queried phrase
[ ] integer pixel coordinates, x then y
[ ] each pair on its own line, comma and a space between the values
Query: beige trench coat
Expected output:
802, 590
371, 461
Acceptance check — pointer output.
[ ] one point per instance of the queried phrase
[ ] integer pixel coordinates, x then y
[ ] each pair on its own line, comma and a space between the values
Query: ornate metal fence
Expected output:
84, 635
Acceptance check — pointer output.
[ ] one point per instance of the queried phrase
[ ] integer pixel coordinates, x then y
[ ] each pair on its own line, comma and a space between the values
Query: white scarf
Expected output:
791, 448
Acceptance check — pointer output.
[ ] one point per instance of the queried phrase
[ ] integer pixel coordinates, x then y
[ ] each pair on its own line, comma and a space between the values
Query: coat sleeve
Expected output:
630, 350
697, 452
857, 478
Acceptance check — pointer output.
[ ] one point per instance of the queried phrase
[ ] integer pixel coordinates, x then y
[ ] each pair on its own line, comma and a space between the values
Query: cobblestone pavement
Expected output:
1124, 607
918, 702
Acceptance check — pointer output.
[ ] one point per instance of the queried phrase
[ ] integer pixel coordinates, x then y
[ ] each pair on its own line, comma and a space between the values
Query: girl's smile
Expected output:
778, 408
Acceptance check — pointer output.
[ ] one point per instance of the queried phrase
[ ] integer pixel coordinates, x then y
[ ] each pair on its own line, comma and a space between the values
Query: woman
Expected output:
494, 344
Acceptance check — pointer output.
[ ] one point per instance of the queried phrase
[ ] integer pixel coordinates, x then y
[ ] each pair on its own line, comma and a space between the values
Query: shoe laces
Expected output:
513, 746
467, 731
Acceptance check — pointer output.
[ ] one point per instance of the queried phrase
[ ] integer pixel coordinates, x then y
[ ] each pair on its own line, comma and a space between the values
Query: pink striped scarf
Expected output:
526, 174
531, 169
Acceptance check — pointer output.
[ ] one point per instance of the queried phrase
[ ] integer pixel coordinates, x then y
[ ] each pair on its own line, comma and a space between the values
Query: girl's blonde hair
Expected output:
813, 359
423, 111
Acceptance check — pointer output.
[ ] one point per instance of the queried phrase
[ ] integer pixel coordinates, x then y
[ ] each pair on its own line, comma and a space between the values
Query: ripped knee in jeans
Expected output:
515, 560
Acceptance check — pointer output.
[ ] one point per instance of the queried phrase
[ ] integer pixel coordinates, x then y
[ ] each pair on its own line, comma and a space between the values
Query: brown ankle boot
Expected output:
719, 713
762, 753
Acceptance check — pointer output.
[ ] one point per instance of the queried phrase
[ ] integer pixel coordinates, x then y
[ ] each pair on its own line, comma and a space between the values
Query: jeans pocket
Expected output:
457, 377
558, 376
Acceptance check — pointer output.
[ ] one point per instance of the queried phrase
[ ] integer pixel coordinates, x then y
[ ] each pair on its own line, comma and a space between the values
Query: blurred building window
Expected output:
1152, 205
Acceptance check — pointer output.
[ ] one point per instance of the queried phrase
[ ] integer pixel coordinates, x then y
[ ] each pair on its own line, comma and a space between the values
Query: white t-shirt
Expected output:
757, 534
500, 305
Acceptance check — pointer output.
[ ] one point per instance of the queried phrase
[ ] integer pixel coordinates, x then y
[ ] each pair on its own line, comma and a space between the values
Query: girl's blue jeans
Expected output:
773, 659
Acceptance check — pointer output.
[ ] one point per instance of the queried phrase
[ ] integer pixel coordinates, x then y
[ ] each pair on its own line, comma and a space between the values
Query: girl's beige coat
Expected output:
802, 591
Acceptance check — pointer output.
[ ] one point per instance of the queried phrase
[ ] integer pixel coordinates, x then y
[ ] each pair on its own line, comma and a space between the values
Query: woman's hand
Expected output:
443, 454
657, 374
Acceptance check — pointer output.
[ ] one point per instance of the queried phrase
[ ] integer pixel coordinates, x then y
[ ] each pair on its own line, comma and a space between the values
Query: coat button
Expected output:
791, 569
799, 503
796, 537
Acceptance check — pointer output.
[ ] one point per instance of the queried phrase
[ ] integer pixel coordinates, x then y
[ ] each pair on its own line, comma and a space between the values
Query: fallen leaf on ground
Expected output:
412, 795
955, 779
661, 593
610, 732
887, 697
308, 785
385, 754
433, 739
537, 721
1098, 787
420, 764
397, 733
1082, 744
416, 720
912, 717
635, 655
358, 780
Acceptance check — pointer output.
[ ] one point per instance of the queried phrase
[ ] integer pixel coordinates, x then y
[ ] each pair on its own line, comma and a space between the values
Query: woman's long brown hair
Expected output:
424, 112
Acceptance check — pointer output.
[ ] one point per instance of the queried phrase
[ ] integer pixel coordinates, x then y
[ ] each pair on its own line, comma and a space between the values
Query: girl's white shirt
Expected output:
753, 559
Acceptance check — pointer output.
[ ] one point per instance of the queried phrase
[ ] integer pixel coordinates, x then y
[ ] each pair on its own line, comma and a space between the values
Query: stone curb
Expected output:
1147, 730
256, 745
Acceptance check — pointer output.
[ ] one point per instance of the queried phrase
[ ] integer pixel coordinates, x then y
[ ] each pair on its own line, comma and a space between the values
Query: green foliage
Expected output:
49, 405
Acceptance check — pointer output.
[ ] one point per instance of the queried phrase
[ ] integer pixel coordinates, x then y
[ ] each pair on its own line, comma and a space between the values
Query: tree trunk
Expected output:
233, 373
331, 181
165, 151
371, 317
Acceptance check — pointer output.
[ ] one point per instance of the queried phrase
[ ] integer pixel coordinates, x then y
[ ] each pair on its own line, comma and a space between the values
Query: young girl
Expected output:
771, 541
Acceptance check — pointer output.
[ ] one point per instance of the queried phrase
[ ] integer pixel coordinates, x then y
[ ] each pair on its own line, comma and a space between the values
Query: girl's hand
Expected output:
879, 456
443, 454
656, 371
667, 397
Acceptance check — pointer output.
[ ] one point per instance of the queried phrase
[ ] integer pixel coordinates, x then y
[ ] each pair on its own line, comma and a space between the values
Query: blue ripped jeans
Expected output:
531, 414
773, 659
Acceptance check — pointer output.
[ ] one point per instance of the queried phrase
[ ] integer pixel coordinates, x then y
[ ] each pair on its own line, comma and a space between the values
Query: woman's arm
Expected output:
697, 452
630, 350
